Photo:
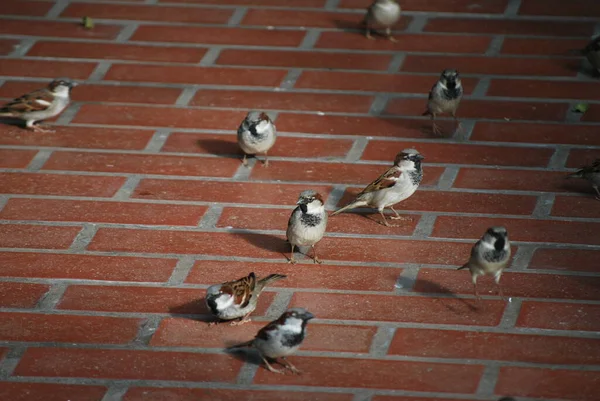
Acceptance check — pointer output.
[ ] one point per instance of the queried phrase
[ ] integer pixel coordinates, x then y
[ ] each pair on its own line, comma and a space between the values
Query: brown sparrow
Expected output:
489, 256
41, 104
383, 13
445, 97
307, 223
395, 185
238, 298
256, 134
592, 52
281, 338
590, 173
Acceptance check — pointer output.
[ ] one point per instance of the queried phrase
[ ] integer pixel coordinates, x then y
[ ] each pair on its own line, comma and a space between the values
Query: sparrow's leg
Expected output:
269, 367
243, 320
436, 130
315, 257
397, 216
474, 279
30, 124
367, 29
245, 160
291, 367
597, 191
213, 323
292, 260
384, 221
497, 280
458, 123
388, 33
266, 164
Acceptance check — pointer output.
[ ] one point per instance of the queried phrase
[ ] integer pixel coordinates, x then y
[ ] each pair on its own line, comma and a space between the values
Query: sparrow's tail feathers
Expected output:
352, 205
426, 113
242, 345
6, 113
463, 266
576, 174
270, 279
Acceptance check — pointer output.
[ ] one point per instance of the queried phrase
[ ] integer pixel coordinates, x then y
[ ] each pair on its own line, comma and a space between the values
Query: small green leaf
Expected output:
581, 108
87, 22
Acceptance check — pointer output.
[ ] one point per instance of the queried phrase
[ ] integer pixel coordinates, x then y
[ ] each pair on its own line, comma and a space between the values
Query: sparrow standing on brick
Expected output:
238, 298
256, 134
445, 97
383, 13
592, 52
307, 223
41, 104
489, 256
590, 173
281, 338
393, 186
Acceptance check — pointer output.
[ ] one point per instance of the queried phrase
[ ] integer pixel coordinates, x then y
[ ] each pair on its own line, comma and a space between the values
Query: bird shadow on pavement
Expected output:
220, 147
421, 286
193, 310
267, 242
244, 354
349, 26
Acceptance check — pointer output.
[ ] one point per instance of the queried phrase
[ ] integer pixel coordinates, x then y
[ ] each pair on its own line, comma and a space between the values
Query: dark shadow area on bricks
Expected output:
220, 147
428, 287
268, 242
193, 310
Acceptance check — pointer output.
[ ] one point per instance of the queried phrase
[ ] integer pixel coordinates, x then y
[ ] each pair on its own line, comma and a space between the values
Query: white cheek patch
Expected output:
314, 207
263, 126
224, 301
293, 325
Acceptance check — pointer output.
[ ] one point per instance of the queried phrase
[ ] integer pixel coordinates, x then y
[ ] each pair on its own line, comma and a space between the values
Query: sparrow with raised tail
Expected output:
256, 134
489, 256
592, 53
41, 104
383, 13
395, 185
238, 298
307, 223
445, 97
590, 173
281, 338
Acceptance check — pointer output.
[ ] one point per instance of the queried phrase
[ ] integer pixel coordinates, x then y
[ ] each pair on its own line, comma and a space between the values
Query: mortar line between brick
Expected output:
85, 236
331, 4
417, 24
57, 9
571, 115
211, 56
238, 15
495, 46
446, 180
512, 8
425, 226
115, 392
126, 32
364, 395
182, 270
290, 79
248, 370
52, 297
379, 104
558, 161
511, 313
243, 172
22, 48
186, 96
488, 380
464, 135
279, 304
211, 216
100, 71
127, 189
335, 196
3, 201
11, 360
67, 116
543, 206
310, 39
39, 160
482, 87
357, 149
396, 62
523, 257
381, 341
146, 331
407, 278
158, 140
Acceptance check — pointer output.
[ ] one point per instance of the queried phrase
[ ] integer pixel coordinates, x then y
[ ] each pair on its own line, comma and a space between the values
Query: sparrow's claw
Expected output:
271, 368
245, 161
240, 322
317, 260
214, 323
399, 218
292, 261
38, 128
598, 198
368, 35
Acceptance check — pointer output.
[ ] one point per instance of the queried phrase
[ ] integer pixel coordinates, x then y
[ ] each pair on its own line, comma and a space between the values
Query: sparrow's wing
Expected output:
39, 100
240, 289
385, 180
591, 169
593, 46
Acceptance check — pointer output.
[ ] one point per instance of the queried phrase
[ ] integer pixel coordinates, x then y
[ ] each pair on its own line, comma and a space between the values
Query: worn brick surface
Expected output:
113, 226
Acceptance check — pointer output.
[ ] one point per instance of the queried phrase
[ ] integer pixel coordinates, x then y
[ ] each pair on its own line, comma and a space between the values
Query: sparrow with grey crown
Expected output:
383, 13
445, 97
592, 53
238, 298
590, 173
281, 338
489, 256
256, 134
308, 223
398, 183
41, 104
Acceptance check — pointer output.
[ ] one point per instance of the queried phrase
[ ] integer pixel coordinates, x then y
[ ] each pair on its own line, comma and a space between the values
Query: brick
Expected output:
85, 267
390, 308
592, 115
570, 134
548, 383
61, 185
138, 365
402, 398
514, 284
58, 29
541, 46
429, 343
311, 19
142, 164
220, 191
581, 157
143, 300
81, 137
493, 65
30, 8
31, 327
545, 89
16, 158
350, 125
167, 117
462, 153
45, 237
378, 374
277, 3
113, 51
7, 46
270, 246
286, 146
46, 69
277, 219
195, 75
576, 8
282, 101
527, 230
218, 36
357, 174
102, 212
21, 295
576, 206
492, 109
149, 13
21, 391
559, 316
209, 394
440, 6
299, 59
102, 93
516, 180
175, 332
565, 259
509, 27
406, 42
339, 277
357, 81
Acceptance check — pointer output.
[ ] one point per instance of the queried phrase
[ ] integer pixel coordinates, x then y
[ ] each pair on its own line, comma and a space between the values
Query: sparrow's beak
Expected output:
303, 207
73, 84
307, 316
420, 157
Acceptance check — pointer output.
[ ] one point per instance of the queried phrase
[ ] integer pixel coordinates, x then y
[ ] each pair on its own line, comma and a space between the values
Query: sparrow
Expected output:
307, 223
592, 52
395, 185
384, 13
238, 298
281, 338
489, 256
506, 399
445, 97
256, 134
590, 173
41, 104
